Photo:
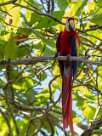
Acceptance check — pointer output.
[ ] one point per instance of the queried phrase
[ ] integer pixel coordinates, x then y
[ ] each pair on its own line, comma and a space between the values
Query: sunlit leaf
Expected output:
97, 19
76, 120
73, 9
89, 112
62, 4
81, 7
14, 19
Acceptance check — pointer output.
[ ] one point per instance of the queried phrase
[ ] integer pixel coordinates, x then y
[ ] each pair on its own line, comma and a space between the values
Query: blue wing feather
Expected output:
74, 53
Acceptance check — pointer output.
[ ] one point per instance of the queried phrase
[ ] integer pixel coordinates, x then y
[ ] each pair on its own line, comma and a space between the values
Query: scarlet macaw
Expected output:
68, 43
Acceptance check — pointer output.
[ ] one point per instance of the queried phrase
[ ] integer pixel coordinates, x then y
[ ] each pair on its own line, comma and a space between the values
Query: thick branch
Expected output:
33, 60
96, 124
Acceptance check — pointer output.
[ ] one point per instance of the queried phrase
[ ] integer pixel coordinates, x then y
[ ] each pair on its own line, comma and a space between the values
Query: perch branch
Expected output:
34, 60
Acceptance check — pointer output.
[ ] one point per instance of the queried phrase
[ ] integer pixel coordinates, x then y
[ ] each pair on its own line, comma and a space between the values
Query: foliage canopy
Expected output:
30, 95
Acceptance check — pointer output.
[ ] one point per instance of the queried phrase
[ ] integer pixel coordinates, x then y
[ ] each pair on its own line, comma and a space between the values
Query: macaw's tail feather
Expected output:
67, 99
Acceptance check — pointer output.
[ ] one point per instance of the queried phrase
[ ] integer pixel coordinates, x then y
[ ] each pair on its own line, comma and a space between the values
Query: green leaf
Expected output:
13, 73
45, 21
97, 19
2, 48
81, 7
11, 48
89, 112
100, 2
34, 18
22, 125
42, 37
58, 14
25, 21
62, 4
43, 96
25, 31
98, 130
23, 51
49, 50
31, 95
35, 3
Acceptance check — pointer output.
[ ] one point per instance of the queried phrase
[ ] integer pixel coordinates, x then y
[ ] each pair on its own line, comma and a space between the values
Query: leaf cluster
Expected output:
30, 95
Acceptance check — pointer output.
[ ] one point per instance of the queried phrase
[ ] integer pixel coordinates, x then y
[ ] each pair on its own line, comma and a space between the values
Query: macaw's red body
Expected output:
68, 44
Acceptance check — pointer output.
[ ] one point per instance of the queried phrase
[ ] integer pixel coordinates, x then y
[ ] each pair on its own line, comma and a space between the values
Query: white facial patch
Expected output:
67, 25
71, 23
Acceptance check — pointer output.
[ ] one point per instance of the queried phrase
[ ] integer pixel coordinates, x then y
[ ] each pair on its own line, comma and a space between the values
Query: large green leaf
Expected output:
25, 31
100, 2
89, 112
11, 48
46, 21
62, 4
97, 19
34, 18
2, 48
23, 51
43, 38
81, 7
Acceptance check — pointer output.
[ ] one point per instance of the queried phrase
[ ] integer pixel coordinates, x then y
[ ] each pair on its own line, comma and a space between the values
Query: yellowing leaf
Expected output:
73, 9
81, 7
76, 120
85, 91
90, 6
17, 87
89, 112
43, 95
82, 74
56, 70
3, 127
14, 19
28, 15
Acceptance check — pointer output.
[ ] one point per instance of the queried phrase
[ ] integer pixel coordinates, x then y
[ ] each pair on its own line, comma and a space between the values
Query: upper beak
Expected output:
70, 27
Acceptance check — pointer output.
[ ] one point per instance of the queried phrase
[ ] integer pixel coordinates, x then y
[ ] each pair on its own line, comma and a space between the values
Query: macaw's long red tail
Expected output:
67, 99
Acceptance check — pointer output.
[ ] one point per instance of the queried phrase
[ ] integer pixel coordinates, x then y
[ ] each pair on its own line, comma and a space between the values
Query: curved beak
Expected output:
71, 25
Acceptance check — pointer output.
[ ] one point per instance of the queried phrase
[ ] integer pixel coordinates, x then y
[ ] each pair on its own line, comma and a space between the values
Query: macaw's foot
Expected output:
56, 55
68, 57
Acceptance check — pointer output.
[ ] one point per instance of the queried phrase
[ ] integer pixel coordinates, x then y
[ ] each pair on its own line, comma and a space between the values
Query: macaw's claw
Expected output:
68, 57
56, 55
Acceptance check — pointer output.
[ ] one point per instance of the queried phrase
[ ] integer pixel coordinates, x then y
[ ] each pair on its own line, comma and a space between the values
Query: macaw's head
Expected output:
70, 24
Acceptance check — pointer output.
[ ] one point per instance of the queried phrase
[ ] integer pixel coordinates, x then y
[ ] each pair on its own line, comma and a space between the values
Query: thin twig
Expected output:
6, 3
6, 12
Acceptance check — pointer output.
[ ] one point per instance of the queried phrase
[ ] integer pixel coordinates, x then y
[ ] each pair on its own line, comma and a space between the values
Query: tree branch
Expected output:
6, 3
7, 122
40, 13
92, 127
34, 60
